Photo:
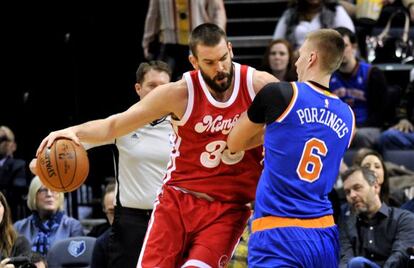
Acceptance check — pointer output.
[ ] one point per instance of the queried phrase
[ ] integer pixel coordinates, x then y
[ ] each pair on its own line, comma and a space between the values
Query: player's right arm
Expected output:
167, 99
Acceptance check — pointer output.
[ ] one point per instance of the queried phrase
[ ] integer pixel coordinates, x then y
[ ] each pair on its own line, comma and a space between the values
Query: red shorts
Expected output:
187, 231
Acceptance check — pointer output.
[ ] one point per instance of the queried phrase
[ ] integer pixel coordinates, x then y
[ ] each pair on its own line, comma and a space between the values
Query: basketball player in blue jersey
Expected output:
307, 131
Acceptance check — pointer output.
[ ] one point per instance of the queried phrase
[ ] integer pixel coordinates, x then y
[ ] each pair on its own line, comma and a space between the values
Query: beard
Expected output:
219, 87
360, 211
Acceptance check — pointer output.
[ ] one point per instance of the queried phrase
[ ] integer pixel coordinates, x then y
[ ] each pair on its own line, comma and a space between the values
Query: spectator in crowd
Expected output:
11, 244
48, 223
372, 160
373, 235
100, 250
304, 16
107, 208
364, 88
13, 180
350, 7
401, 135
171, 22
279, 60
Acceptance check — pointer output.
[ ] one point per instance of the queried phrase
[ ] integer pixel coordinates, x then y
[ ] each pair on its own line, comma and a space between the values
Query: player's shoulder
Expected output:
177, 95
261, 78
279, 92
276, 88
176, 89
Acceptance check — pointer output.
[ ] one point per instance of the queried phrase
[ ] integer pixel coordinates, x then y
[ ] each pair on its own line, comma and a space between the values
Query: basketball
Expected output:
63, 167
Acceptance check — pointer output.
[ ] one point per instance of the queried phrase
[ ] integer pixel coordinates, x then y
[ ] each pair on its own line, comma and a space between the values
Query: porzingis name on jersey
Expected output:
216, 124
325, 117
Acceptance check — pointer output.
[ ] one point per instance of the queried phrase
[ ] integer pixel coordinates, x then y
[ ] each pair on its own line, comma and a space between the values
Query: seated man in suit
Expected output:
13, 179
373, 234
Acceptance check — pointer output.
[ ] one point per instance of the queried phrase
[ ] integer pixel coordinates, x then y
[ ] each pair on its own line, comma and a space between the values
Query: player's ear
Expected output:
312, 58
230, 47
138, 88
193, 61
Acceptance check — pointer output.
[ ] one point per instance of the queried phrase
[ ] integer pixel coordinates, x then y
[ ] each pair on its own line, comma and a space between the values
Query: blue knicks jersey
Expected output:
353, 90
303, 152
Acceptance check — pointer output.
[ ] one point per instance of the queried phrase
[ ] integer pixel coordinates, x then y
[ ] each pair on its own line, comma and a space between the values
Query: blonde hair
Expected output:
330, 46
34, 187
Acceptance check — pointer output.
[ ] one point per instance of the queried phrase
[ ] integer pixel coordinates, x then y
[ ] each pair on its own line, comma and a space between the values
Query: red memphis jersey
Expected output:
200, 160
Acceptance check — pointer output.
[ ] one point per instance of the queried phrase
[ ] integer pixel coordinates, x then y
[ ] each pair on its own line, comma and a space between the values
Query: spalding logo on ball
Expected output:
64, 166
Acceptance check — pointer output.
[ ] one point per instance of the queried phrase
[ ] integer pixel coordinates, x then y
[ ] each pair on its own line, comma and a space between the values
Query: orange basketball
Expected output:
63, 167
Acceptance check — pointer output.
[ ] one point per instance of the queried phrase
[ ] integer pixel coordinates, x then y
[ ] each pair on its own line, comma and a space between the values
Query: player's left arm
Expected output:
267, 106
248, 132
245, 135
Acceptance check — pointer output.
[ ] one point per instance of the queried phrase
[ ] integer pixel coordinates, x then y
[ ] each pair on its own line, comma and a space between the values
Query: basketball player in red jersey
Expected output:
201, 210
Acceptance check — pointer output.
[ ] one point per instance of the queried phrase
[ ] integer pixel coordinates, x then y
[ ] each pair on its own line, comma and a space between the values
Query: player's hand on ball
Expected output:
67, 133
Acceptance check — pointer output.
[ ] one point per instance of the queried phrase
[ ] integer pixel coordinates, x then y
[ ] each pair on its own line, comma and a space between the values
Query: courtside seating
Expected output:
71, 252
400, 157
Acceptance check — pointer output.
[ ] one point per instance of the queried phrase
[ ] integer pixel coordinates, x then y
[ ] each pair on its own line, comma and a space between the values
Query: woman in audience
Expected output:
48, 223
279, 60
373, 160
304, 16
11, 244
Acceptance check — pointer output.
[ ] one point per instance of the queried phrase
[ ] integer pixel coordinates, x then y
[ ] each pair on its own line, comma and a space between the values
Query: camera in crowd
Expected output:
21, 262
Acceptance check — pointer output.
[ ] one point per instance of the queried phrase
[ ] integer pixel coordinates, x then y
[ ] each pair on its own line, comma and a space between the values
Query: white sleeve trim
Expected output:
190, 101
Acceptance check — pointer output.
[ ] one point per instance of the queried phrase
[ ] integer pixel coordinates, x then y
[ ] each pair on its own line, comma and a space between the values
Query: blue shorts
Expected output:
294, 247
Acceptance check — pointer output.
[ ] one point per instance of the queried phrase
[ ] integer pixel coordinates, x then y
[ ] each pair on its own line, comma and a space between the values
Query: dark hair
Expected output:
7, 233
360, 155
346, 32
207, 34
109, 188
290, 70
368, 174
156, 65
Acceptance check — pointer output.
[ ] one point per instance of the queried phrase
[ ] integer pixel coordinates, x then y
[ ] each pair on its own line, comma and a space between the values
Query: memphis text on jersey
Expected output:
216, 124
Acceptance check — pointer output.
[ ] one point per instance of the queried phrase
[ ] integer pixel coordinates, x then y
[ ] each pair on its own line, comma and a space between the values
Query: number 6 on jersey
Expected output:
310, 164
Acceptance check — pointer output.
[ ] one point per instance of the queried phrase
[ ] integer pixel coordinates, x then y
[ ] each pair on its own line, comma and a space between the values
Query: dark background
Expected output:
65, 64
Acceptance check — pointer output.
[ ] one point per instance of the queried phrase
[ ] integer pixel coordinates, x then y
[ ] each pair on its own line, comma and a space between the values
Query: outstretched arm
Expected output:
152, 107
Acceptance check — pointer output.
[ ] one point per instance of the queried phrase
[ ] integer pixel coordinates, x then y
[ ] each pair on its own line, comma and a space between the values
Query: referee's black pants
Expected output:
127, 236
